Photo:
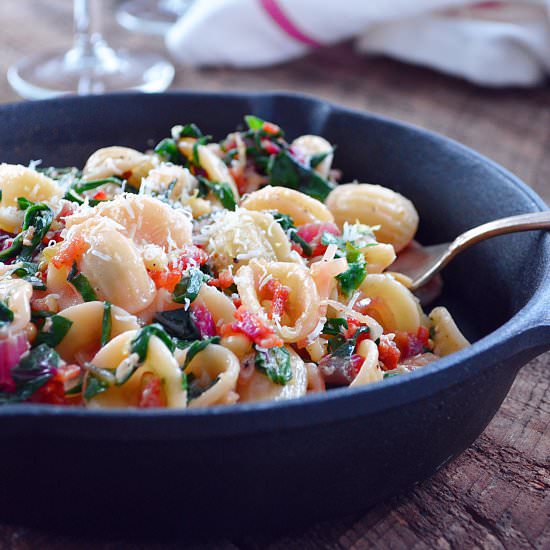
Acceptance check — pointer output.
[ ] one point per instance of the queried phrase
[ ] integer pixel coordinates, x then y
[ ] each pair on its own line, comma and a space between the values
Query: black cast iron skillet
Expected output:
275, 465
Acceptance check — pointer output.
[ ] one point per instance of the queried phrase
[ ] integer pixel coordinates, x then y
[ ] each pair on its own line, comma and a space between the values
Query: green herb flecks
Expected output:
352, 278
275, 364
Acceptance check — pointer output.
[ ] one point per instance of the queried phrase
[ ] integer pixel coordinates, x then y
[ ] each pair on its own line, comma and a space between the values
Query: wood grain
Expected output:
497, 494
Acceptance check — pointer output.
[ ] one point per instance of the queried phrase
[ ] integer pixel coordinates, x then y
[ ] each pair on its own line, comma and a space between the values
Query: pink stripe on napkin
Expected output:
276, 13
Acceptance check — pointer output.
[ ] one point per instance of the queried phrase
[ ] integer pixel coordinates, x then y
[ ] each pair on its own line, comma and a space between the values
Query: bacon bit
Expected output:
388, 354
100, 195
279, 296
410, 344
269, 147
166, 279
69, 252
252, 326
312, 233
151, 393
224, 280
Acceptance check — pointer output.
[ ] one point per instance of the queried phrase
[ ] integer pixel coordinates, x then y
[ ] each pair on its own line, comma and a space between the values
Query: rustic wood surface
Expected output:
497, 494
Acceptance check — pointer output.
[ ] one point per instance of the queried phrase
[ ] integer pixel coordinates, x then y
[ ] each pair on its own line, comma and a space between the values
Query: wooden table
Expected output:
497, 494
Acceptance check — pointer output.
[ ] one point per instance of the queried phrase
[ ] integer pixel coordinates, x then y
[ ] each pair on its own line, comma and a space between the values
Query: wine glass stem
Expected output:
87, 26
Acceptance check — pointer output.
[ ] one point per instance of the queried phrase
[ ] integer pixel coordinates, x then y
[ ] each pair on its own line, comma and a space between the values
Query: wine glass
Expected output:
151, 17
91, 66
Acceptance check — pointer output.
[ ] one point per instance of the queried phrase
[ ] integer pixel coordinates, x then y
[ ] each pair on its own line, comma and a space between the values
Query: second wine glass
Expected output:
91, 66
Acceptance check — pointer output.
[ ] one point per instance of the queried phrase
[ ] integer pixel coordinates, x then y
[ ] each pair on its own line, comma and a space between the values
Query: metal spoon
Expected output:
430, 260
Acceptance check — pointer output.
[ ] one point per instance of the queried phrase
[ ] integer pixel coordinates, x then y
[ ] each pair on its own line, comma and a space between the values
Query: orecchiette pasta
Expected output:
145, 280
118, 161
301, 208
375, 205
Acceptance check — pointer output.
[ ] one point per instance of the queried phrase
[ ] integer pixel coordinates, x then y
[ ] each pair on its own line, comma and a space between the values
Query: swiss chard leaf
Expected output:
23, 203
106, 323
53, 331
6, 314
346, 349
82, 186
140, 343
189, 286
284, 170
352, 278
168, 150
287, 225
94, 386
254, 122
222, 190
33, 371
39, 216
81, 283
187, 130
317, 159
334, 326
275, 364
27, 271
179, 324
196, 347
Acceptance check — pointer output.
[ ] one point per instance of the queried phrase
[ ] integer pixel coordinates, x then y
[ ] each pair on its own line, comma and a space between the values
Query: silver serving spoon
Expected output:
430, 260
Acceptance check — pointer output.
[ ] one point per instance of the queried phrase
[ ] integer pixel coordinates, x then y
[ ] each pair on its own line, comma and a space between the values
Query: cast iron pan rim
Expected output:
334, 406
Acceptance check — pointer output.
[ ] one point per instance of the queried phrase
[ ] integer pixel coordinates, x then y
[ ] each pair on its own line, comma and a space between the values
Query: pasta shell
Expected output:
310, 145
447, 337
258, 387
301, 208
84, 336
118, 161
375, 205
16, 295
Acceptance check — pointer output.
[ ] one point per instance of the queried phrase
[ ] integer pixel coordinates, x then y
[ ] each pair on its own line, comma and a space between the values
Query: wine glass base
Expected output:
151, 17
49, 75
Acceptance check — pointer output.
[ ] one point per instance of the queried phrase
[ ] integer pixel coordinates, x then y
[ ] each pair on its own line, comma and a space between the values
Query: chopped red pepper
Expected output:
69, 252
313, 232
252, 326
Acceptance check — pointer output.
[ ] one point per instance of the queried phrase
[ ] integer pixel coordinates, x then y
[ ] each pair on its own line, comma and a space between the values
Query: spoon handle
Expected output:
512, 224
523, 222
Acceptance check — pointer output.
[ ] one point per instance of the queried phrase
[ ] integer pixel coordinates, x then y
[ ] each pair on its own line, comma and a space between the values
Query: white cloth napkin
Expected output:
489, 43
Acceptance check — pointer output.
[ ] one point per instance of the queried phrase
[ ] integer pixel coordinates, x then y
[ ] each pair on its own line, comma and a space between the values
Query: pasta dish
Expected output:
205, 273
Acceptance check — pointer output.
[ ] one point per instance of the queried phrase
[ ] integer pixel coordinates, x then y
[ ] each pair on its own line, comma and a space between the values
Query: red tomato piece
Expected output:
252, 326
166, 279
410, 344
100, 195
279, 297
313, 232
69, 252
388, 354
269, 147
270, 128
224, 280
151, 393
